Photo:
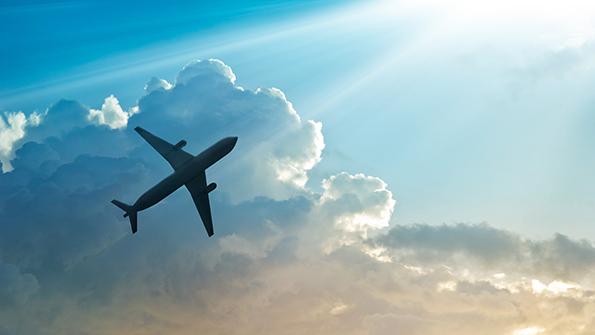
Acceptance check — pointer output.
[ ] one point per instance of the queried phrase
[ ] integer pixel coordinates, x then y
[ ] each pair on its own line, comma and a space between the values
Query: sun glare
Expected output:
528, 331
575, 15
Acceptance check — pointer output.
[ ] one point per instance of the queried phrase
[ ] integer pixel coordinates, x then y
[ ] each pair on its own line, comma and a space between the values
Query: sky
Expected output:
403, 167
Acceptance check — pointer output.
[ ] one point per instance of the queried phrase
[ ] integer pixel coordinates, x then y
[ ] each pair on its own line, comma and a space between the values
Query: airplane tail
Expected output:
130, 212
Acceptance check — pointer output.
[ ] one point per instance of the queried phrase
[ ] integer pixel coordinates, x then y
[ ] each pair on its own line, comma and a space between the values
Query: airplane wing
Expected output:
198, 190
174, 154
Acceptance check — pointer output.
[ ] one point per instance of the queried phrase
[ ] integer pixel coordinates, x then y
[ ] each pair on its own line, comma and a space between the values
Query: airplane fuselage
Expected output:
185, 173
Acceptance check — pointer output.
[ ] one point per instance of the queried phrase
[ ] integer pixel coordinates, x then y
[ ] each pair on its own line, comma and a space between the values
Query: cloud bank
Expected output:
285, 259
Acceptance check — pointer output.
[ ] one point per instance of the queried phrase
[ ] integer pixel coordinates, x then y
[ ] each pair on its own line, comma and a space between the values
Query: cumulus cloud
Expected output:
362, 202
12, 130
213, 71
110, 114
356, 206
298, 151
205, 103
157, 84
285, 259
64, 118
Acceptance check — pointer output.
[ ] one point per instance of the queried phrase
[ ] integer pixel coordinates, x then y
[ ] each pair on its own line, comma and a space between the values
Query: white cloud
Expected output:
339, 308
205, 104
299, 150
360, 203
12, 131
556, 288
450, 285
202, 106
110, 114
197, 70
157, 84
350, 209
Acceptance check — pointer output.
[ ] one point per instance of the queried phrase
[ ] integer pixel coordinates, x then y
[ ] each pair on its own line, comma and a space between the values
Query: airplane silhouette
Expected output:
189, 171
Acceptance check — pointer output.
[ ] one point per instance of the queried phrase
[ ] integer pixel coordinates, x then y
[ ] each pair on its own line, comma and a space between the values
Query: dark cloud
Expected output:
557, 258
56, 221
562, 257
481, 241
59, 119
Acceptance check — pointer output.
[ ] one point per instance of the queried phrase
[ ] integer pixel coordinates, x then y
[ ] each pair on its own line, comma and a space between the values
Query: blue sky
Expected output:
45, 39
448, 141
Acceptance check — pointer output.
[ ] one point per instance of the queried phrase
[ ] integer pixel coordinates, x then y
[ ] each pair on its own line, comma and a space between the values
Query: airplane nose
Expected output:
234, 140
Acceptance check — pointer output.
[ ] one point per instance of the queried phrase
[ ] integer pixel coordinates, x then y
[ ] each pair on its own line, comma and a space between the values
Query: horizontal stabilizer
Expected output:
131, 213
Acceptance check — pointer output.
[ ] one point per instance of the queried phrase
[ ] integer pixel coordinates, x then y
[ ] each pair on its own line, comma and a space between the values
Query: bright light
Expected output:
556, 287
534, 8
575, 15
528, 331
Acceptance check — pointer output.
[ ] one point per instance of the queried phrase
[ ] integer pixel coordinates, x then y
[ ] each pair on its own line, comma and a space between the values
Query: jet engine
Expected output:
180, 144
211, 187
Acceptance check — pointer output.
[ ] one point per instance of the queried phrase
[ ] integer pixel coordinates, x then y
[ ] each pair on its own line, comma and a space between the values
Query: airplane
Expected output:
189, 171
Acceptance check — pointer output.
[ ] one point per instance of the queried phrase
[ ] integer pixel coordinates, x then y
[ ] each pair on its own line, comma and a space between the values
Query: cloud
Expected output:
40, 235
490, 248
212, 71
355, 206
480, 241
285, 258
12, 130
205, 103
15, 287
110, 114
64, 119
382, 324
362, 202
237, 245
81, 158
157, 84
